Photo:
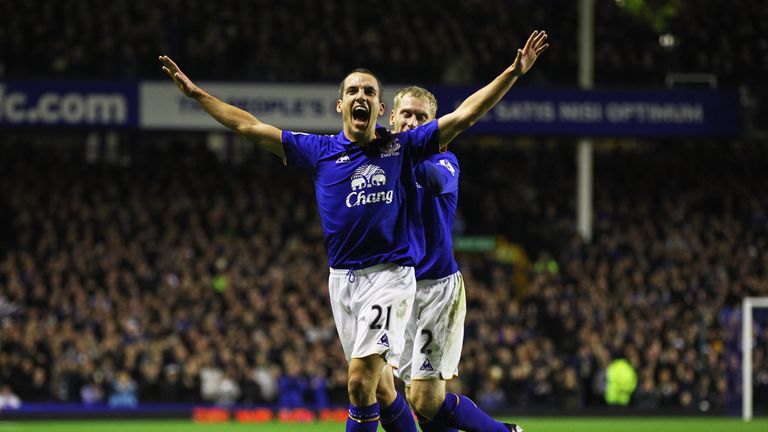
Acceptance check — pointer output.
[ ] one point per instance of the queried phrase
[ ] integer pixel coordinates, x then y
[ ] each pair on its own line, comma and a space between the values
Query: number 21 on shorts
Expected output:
376, 324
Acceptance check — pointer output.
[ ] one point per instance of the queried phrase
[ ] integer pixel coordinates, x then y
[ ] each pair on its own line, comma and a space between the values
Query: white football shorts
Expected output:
371, 308
434, 335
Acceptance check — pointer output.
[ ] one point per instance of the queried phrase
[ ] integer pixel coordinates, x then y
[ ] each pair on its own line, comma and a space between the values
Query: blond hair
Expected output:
416, 92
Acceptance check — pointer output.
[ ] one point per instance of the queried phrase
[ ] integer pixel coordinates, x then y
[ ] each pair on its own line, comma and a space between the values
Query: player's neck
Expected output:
359, 137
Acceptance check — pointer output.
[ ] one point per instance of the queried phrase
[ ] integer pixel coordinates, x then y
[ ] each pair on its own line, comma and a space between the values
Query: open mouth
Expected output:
360, 115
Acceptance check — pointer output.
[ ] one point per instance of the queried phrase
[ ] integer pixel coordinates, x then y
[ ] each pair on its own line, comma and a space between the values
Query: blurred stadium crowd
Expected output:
637, 42
180, 278
173, 277
451, 41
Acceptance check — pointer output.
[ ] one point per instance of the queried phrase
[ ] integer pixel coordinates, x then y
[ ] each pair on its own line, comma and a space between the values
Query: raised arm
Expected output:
240, 121
475, 106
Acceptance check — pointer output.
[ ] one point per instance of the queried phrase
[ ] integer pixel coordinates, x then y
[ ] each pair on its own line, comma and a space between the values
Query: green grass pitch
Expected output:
563, 424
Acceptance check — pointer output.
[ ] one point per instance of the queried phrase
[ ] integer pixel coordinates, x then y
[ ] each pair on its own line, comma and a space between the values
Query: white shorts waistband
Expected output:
363, 271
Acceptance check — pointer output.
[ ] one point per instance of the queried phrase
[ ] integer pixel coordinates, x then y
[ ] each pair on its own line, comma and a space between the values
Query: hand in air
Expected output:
527, 56
182, 81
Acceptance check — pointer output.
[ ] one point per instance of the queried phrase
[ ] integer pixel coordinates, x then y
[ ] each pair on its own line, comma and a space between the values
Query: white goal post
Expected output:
746, 352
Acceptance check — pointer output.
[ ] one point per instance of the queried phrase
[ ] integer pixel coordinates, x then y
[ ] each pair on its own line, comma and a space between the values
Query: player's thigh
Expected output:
440, 328
367, 368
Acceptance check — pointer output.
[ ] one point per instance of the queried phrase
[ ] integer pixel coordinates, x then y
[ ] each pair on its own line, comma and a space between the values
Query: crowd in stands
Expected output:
637, 43
680, 239
467, 41
168, 276
173, 277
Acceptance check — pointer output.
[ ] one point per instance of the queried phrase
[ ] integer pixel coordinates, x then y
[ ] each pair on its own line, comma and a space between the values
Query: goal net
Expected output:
750, 332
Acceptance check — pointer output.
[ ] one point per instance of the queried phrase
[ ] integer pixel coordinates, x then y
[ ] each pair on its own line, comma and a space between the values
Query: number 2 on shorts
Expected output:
425, 348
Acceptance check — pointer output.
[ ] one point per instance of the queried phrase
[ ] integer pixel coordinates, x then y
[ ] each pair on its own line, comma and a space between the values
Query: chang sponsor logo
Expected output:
17, 107
364, 178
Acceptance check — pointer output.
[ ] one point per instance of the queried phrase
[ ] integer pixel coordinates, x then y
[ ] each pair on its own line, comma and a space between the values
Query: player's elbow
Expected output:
467, 119
452, 127
255, 131
263, 135
247, 129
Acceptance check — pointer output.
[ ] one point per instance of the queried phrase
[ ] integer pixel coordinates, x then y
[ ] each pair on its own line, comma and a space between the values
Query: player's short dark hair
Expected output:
367, 72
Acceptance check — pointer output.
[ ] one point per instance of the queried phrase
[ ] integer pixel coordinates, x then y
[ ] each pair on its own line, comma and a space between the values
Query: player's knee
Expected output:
359, 387
426, 403
364, 377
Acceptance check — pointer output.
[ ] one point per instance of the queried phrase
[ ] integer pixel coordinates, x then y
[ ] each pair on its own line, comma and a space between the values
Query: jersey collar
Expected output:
381, 132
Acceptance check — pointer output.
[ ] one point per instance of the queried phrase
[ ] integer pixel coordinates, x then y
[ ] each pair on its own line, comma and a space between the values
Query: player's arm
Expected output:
475, 106
234, 118
438, 177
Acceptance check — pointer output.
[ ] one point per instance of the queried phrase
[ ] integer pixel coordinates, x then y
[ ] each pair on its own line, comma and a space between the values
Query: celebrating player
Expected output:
366, 195
434, 335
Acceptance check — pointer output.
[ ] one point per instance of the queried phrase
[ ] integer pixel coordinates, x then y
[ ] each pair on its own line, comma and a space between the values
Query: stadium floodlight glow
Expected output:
746, 352
667, 40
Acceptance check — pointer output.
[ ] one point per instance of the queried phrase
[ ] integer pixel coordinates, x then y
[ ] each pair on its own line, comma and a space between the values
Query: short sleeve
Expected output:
439, 174
424, 140
301, 149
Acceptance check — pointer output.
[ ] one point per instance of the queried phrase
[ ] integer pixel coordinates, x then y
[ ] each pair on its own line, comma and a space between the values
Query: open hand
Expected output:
185, 84
527, 56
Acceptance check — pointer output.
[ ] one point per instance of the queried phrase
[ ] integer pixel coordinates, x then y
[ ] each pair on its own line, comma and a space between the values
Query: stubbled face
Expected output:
360, 105
410, 113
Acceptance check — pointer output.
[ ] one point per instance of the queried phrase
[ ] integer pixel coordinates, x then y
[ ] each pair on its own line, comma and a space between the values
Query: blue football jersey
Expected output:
366, 196
437, 179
